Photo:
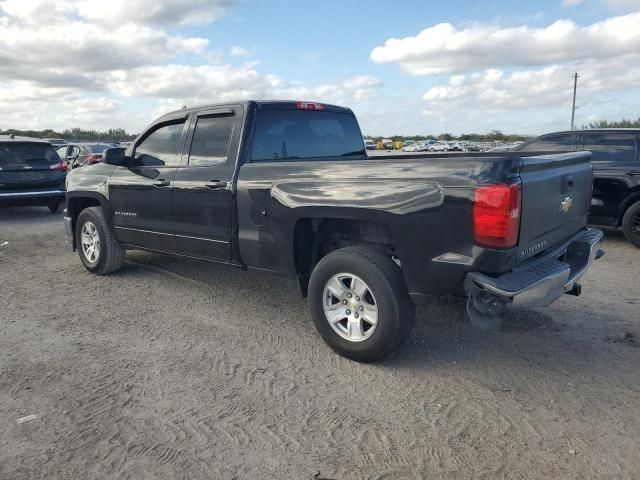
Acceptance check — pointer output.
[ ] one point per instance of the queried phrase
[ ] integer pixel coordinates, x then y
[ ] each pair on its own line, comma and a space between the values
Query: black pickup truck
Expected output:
616, 173
287, 187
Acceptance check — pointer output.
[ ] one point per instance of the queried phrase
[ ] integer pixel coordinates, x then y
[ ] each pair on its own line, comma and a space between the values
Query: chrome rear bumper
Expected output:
541, 281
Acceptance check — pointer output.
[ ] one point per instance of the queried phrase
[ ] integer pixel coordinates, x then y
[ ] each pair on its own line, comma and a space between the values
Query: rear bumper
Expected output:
30, 197
542, 281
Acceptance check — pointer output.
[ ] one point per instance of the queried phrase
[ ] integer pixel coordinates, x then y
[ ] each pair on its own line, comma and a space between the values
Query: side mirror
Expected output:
114, 156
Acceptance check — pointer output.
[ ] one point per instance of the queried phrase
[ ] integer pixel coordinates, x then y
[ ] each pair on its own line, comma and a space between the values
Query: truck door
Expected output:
140, 193
615, 164
202, 188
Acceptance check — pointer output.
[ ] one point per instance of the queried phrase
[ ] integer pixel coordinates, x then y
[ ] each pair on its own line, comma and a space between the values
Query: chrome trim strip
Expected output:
172, 234
31, 194
143, 231
203, 239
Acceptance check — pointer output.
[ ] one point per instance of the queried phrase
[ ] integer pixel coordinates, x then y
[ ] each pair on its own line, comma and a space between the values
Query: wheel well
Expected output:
75, 206
632, 198
316, 237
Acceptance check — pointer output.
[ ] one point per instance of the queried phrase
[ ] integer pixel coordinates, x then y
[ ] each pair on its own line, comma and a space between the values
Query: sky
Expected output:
404, 67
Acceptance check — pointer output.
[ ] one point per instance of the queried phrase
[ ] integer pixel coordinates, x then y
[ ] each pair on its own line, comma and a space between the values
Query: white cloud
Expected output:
571, 3
82, 63
72, 52
118, 12
239, 52
191, 85
166, 12
623, 5
547, 92
446, 48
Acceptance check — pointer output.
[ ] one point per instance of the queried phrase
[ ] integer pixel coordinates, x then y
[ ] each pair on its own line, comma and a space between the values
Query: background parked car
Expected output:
438, 147
369, 144
387, 143
81, 154
616, 173
31, 173
411, 147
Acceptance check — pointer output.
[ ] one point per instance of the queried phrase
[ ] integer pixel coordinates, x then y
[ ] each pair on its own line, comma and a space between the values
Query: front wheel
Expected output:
631, 224
99, 251
359, 303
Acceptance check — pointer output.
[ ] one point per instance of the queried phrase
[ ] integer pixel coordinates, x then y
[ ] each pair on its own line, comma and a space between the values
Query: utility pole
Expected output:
573, 109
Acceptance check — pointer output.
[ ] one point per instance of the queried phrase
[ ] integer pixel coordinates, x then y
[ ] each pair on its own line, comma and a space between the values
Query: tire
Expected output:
110, 254
631, 224
385, 291
53, 207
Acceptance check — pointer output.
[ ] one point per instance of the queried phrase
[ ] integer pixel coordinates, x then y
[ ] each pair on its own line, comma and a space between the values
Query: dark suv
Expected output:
31, 173
616, 172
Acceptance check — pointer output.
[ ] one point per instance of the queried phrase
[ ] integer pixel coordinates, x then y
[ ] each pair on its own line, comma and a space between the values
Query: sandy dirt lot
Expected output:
175, 369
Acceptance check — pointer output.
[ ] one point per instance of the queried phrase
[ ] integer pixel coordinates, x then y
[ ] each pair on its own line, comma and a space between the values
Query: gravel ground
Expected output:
175, 369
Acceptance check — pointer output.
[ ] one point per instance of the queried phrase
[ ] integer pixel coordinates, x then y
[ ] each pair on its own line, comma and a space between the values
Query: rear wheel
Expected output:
359, 303
631, 224
99, 251
53, 207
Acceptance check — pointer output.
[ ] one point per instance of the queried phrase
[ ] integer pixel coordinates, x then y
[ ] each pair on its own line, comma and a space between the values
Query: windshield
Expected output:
302, 134
26, 154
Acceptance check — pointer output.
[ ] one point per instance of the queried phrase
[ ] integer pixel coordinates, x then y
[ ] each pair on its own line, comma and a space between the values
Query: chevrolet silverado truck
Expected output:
287, 187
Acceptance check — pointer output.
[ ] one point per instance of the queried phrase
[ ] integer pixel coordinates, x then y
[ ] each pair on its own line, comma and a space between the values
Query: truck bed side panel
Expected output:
426, 205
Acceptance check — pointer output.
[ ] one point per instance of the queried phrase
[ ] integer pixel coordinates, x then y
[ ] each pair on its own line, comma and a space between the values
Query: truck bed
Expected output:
423, 202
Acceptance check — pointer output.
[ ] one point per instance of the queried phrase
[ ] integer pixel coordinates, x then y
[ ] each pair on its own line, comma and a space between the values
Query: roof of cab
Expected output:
262, 104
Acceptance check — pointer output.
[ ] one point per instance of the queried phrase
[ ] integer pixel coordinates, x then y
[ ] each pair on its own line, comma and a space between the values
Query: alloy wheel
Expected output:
350, 307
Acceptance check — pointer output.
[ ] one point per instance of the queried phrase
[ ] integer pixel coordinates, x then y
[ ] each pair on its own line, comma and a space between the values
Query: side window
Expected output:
618, 147
62, 152
211, 139
558, 142
161, 147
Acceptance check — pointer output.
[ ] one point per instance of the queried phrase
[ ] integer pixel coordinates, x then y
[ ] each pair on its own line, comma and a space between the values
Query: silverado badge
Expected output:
566, 204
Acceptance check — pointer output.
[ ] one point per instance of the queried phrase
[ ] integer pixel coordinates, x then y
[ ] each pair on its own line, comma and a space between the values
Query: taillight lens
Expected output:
60, 166
94, 158
496, 215
309, 106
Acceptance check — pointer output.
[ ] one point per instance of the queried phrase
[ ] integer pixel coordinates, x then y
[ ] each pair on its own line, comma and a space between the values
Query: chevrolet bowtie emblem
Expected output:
566, 204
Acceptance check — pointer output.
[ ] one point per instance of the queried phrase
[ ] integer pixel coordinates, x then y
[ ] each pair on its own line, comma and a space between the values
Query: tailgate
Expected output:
556, 197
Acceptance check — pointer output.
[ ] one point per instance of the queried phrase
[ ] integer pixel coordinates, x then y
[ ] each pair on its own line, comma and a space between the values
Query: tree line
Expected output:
492, 136
76, 134
120, 135
624, 123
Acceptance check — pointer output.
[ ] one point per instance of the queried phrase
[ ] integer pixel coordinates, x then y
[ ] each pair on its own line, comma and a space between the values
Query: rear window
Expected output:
25, 154
559, 142
98, 147
301, 134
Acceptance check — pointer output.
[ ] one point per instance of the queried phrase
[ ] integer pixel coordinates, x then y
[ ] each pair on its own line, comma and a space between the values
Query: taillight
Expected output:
309, 106
94, 158
61, 166
496, 215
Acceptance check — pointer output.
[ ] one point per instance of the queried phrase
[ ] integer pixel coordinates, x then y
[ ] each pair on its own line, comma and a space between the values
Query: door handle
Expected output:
161, 182
215, 184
